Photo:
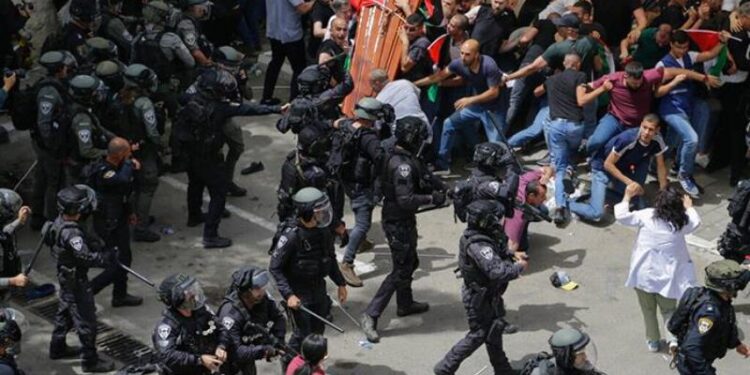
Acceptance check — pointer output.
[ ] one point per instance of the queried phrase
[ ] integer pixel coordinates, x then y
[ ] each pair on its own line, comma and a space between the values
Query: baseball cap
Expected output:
561, 280
568, 20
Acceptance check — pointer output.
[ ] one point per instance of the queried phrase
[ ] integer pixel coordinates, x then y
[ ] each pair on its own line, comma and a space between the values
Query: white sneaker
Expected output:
653, 346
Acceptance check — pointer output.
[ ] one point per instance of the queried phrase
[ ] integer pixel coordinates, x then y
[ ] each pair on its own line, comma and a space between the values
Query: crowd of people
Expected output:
615, 90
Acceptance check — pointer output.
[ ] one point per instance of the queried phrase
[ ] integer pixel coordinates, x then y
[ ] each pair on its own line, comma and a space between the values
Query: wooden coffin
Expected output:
376, 46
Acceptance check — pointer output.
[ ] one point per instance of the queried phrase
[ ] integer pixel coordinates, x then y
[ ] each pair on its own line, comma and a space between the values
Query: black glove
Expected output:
344, 239
438, 197
270, 352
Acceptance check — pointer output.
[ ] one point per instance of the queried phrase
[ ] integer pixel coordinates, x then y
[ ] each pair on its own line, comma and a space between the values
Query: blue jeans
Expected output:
684, 134
362, 204
535, 130
594, 209
463, 121
608, 127
563, 138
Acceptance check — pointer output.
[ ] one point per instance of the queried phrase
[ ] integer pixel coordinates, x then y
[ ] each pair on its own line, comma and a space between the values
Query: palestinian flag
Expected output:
706, 40
436, 48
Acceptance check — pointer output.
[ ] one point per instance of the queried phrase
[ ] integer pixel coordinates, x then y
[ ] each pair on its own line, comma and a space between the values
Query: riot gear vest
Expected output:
147, 51
249, 323
198, 334
472, 275
309, 262
10, 262
356, 167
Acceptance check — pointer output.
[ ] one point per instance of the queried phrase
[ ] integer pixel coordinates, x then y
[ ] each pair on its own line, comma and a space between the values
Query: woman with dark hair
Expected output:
314, 352
660, 267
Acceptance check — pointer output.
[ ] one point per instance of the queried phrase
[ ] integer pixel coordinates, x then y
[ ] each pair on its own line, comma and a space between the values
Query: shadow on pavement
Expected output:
545, 317
353, 368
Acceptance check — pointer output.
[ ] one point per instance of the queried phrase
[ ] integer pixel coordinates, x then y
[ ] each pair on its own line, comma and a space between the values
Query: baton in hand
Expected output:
45, 229
137, 275
316, 316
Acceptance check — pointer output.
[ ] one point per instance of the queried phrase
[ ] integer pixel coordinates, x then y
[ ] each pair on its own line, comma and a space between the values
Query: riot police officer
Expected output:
189, 339
161, 51
90, 137
487, 267
316, 101
111, 73
252, 320
194, 12
112, 178
407, 185
572, 354
303, 257
133, 116
711, 324
13, 215
75, 252
10, 337
361, 158
496, 174
98, 50
113, 27
84, 21
49, 134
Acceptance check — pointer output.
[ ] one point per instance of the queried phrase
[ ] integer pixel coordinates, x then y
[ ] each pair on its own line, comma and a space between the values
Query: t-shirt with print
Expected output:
630, 149
627, 105
489, 75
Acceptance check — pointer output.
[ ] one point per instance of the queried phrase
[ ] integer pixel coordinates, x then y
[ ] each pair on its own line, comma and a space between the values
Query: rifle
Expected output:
532, 212
273, 340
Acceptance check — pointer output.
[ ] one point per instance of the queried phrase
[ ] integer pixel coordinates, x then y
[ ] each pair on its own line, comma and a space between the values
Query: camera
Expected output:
20, 73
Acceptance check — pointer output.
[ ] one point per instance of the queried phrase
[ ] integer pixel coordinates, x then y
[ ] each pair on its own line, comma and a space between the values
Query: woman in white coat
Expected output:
660, 266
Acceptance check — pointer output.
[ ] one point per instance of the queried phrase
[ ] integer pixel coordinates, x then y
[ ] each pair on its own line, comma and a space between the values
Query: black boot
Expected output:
235, 191
414, 308
100, 365
216, 242
197, 220
144, 234
57, 351
126, 300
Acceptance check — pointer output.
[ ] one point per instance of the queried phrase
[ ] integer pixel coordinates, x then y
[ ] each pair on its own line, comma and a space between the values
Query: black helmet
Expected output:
56, 60
111, 73
228, 58
726, 276
84, 10
10, 332
485, 214
101, 49
139, 75
566, 344
313, 203
180, 291
313, 80
247, 278
312, 143
492, 156
83, 89
217, 84
74, 200
10, 204
411, 132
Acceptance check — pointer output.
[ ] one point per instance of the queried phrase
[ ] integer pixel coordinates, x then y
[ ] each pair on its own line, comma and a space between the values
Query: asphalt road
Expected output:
595, 256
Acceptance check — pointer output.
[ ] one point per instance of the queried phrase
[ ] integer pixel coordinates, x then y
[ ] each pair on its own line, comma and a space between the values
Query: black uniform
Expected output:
302, 259
248, 328
10, 262
75, 254
488, 186
113, 186
180, 341
712, 330
74, 40
298, 172
407, 184
487, 267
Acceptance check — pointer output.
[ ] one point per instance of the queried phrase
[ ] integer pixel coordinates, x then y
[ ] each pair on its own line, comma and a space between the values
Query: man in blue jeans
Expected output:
685, 114
625, 159
482, 76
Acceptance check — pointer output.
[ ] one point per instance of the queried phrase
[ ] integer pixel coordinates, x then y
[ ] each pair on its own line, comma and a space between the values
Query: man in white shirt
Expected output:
401, 94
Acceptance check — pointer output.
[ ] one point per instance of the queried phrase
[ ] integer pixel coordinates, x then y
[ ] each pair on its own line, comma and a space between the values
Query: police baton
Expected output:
340, 306
316, 316
482, 370
25, 175
433, 208
45, 229
137, 275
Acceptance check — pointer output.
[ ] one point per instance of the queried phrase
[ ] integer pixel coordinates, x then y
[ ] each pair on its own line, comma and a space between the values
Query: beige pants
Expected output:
649, 302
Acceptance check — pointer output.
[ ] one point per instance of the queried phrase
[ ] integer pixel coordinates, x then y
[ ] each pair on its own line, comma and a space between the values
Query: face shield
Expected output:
323, 213
585, 359
194, 298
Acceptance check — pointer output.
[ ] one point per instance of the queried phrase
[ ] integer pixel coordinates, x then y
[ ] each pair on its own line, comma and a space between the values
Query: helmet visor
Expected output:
323, 213
194, 298
585, 359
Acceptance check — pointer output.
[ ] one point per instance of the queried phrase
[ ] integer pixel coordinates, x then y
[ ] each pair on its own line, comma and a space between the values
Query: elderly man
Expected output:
401, 94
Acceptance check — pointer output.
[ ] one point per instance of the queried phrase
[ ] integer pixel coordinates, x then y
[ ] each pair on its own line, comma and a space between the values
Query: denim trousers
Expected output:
464, 121
563, 138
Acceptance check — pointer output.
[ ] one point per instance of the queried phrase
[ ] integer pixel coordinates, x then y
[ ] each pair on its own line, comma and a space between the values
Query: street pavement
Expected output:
596, 256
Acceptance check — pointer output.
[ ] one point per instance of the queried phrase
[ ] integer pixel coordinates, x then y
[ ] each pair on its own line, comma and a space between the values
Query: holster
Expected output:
495, 333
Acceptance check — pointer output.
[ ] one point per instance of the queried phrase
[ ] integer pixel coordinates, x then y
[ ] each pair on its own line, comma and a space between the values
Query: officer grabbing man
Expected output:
13, 215
705, 323
75, 252
112, 178
253, 322
303, 257
189, 339
573, 353
487, 267
407, 185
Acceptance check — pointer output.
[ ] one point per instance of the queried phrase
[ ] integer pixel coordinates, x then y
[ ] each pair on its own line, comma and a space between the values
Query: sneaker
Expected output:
672, 347
414, 308
510, 328
560, 217
351, 278
127, 300
254, 167
365, 245
235, 191
702, 160
101, 365
271, 101
369, 327
653, 346
216, 242
674, 171
689, 186
143, 234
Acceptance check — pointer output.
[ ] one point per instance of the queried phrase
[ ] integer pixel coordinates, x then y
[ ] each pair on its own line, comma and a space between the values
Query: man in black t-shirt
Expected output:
492, 27
334, 48
415, 62
319, 17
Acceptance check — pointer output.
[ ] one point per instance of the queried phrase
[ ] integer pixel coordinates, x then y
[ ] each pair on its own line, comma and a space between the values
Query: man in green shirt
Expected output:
652, 45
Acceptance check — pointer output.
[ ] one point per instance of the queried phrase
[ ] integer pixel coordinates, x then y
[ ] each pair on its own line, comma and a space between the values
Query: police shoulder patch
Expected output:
84, 135
227, 322
494, 186
46, 107
486, 252
704, 325
404, 170
76, 243
109, 174
149, 116
163, 331
190, 39
281, 242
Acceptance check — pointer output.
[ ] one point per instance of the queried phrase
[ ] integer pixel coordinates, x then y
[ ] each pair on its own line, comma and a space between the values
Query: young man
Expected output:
532, 189
652, 45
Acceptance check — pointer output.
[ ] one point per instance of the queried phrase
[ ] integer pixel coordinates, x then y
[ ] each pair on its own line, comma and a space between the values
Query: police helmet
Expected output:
491, 155
312, 143
84, 10
313, 203
91, 201
368, 109
569, 343
726, 276
217, 84
56, 60
228, 56
83, 88
101, 49
139, 75
10, 204
180, 291
156, 12
485, 214
10, 332
313, 80
411, 132
187, 3
247, 278
111, 73
73, 200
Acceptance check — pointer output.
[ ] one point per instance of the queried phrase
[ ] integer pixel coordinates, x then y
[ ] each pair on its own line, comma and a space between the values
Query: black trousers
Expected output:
480, 320
113, 234
684, 367
295, 52
49, 178
76, 310
402, 239
731, 135
313, 297
207, 172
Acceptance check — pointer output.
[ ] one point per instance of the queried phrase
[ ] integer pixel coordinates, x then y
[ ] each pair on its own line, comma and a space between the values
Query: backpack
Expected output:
680, 321
739, 205
23, 108
541, 361
463, 194
346, 152
193, 125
